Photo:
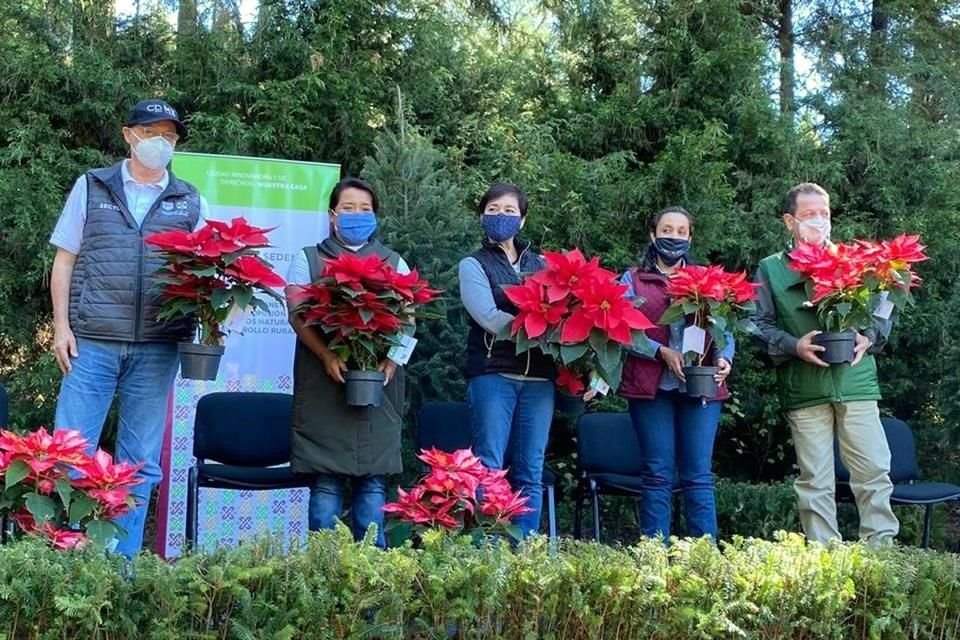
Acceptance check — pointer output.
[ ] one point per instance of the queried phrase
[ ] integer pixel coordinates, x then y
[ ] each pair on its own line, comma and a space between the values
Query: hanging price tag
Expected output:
694, 340
599, 385
885, 308
400, 353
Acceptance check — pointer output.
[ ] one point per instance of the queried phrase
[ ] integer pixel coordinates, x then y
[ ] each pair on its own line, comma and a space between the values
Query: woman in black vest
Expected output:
510, 396
331, 441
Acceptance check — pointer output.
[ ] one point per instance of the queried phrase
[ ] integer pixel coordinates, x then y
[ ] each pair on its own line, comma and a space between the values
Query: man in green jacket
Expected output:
822, 400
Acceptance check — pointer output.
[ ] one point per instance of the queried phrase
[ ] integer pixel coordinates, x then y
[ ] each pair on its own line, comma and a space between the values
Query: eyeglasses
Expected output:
169, 136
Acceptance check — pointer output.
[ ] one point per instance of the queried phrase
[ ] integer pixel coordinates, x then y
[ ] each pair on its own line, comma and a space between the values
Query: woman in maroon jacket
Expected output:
676, 432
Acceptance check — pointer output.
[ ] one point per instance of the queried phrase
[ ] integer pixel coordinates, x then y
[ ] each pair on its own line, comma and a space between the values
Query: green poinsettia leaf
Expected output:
572, 352
42, 508
219, 298
102, 532
81, 507
16, 472
671, 315
65, 491
242, 295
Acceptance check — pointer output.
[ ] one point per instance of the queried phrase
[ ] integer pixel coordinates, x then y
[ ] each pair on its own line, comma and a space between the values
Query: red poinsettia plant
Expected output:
212, 271
848, 283
575, 311
717, 301
363, 305
53, 489
459, 494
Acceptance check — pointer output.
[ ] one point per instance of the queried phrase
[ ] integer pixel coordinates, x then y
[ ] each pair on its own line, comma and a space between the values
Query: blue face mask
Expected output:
499, 228
356, 228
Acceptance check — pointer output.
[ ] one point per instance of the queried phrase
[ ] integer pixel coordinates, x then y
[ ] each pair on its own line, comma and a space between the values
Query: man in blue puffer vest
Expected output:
107, 339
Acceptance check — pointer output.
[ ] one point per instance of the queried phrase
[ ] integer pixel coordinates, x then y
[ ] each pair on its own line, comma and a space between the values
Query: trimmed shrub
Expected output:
333, 588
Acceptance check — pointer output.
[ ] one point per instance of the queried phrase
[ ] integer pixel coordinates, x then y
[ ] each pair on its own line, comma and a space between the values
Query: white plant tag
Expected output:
694, 340
885, 308
599, 385
237, 318
400, 353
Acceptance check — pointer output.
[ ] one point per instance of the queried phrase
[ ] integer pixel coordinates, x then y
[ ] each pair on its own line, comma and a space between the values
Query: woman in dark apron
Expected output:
333, 442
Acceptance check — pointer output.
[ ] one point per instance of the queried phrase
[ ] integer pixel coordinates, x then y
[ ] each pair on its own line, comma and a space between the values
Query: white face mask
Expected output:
815, 230
153, 153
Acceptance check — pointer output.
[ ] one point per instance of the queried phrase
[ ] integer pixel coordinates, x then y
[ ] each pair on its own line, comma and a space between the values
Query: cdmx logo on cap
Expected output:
163, 107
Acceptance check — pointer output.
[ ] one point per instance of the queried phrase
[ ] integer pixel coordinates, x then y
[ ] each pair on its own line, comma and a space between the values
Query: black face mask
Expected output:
671, 250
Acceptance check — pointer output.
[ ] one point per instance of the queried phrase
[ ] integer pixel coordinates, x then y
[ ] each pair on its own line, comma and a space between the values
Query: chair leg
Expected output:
552, 518
595, 492
551, 513
578, 511
193, 506
927, 525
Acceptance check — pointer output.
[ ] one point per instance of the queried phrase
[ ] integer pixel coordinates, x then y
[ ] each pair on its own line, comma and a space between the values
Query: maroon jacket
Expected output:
641, 376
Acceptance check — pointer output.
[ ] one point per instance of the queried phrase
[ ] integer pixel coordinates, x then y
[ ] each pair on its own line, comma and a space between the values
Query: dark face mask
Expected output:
500, 227
671, 250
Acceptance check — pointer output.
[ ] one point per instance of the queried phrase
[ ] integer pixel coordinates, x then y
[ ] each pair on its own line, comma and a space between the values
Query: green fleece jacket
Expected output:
783, 320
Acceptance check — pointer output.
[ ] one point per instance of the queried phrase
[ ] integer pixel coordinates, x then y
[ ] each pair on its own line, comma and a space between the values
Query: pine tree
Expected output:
423, 220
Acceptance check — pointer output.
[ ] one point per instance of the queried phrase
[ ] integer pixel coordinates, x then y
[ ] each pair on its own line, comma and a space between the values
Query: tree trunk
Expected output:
876, 52
226, 15
93, 21
785, 42
187, 17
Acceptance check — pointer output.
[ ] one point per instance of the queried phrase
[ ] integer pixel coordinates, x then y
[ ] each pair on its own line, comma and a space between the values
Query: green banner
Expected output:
267, 183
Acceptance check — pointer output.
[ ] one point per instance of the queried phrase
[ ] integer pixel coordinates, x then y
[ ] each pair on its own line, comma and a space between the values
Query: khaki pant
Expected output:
864, 451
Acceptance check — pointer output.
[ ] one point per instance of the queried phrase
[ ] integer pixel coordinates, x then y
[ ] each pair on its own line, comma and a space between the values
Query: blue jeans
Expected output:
141, 374
676, 436
368, 496
511, 423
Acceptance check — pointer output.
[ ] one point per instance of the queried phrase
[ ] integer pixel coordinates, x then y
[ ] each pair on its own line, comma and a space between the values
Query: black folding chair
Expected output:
238, 441
904, 474
608, 455
446, 426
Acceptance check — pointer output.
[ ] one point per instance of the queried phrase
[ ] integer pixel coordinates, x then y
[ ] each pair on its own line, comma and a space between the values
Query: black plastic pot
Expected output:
199, 361
364, 388
573, 406
700, 382
838, 346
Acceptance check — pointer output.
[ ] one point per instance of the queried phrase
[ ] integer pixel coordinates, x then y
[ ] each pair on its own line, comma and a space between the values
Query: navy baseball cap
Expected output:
150, 111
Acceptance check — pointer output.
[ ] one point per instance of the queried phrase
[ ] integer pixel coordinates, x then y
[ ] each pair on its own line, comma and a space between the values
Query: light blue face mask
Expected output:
356, 229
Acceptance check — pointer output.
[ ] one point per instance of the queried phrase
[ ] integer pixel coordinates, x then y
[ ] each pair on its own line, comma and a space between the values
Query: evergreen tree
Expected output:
424, 221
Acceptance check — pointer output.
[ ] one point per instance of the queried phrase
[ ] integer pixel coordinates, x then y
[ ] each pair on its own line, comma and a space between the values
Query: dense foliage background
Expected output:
604, 110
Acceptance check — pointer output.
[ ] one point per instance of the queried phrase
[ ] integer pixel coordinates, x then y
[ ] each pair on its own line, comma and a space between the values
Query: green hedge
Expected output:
333, 588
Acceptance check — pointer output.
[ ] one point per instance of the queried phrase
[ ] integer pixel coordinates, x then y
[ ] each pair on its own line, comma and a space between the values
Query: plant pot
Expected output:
364, 388
838, 346
199, 361
573, 406
700, 382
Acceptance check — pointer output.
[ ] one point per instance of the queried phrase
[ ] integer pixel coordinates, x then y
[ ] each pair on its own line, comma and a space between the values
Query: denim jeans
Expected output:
141, 374
368, 496
511, 420
676, 436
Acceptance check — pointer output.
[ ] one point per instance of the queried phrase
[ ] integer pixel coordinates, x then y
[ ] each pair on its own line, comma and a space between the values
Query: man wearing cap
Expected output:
107, 339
